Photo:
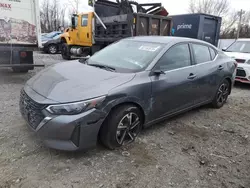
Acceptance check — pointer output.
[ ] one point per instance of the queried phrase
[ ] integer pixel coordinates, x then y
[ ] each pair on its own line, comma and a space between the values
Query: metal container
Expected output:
199, 26
128, 25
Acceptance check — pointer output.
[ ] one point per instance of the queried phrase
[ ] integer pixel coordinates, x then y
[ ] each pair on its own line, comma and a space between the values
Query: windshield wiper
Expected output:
103, 67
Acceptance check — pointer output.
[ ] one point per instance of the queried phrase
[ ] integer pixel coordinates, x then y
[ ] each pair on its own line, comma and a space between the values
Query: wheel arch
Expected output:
64, 40
53, 44
132, 103
230, 84
113, 105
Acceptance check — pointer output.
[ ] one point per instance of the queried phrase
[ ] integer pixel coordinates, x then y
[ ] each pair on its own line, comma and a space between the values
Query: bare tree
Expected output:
52, 15
214, 7
228, 23
218, 8
75, 4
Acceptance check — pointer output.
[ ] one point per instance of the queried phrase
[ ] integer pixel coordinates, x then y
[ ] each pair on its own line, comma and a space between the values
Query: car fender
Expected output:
224, 78
65, 38
127, 100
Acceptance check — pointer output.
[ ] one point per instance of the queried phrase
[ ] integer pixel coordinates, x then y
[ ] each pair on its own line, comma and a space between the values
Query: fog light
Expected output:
23, 54
75, 137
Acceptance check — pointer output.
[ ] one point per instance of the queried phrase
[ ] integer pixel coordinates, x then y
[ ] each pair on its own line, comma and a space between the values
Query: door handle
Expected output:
220, 67
191, 76
87, 35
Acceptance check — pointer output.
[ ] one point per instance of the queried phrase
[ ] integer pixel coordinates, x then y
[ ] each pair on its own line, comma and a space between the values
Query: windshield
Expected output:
240, 46
127, 55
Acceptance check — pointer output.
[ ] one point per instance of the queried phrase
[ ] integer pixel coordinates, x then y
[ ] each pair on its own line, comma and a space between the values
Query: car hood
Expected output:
73, 81
238, 55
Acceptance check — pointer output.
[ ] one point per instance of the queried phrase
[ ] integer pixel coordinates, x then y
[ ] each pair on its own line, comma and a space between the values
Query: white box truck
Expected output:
20, 33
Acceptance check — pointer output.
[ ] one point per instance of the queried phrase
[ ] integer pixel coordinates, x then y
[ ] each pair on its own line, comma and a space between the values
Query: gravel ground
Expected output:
202, 148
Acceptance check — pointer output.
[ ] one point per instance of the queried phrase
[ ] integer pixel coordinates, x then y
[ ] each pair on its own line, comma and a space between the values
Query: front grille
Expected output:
240, 73
31, 110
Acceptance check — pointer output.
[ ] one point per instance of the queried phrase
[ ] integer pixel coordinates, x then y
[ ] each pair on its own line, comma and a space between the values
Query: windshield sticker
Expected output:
149, 48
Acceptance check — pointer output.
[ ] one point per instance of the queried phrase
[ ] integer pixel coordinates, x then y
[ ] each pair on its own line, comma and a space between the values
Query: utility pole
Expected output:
240, 13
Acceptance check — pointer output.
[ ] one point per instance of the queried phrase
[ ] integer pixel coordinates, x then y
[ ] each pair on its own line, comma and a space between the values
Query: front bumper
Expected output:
64, 132
243, 74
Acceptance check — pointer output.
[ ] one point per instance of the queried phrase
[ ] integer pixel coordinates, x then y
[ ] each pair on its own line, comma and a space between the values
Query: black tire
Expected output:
65, 52
111, 137
20, 70
222, 94
52, 49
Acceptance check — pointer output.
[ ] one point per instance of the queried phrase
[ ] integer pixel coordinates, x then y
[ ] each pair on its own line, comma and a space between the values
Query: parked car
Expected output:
128, 85
225, 43
45, 38
53, 46
240, 51
43, 34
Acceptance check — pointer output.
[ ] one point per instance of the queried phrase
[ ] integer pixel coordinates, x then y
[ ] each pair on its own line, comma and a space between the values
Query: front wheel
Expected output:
221, 95
65, 52
121, 127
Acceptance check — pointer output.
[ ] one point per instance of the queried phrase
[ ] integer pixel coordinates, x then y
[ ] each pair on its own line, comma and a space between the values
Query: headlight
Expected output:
75, 108
248, 62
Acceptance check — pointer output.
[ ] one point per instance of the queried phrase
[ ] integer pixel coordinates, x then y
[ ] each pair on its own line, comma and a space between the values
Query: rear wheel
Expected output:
221, 94
121, 127
65, 52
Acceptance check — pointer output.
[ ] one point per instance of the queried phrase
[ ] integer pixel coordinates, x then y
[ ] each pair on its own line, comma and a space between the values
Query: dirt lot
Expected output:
202, 148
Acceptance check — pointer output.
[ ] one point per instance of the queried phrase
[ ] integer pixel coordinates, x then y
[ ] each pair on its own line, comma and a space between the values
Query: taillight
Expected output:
23, 54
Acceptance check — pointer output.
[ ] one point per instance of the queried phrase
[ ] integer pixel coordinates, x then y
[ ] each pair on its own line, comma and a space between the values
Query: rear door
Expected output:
207, 70
173, 90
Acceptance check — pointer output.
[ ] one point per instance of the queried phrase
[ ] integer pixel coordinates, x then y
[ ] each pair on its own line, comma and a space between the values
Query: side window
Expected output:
201, 53
213, 53
84, 20
176, 57
76, 20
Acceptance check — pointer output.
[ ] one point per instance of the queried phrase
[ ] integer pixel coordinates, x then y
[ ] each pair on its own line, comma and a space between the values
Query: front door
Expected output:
173, 90
85, 30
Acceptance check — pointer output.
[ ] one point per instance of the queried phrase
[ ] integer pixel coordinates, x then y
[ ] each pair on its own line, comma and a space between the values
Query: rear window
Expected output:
201, 53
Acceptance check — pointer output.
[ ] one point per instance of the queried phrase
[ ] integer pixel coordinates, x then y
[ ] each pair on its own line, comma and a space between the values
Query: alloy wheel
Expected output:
222, 94
128, 129
52, 49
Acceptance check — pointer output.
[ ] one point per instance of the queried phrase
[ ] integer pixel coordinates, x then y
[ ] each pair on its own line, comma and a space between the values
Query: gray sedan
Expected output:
123, 88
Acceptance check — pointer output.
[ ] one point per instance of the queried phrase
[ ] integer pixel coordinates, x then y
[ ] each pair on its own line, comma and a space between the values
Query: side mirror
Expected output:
224, 49
84, 59
158, 72
73, 22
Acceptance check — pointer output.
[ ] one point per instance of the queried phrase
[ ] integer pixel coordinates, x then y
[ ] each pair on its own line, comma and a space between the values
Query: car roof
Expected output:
165, 39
